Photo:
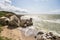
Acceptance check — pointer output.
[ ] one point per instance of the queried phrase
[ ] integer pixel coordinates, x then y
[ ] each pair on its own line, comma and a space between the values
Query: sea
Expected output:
45, 22
48, 22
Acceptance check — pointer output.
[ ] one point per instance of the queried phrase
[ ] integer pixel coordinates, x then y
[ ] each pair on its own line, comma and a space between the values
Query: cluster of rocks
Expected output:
16, 21
47, 36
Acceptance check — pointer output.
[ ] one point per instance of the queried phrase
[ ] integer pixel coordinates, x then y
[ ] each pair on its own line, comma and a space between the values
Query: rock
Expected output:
50, 33
10, 21
24, 23
46, 36
4, 21
15, 21
40, 33
40, 37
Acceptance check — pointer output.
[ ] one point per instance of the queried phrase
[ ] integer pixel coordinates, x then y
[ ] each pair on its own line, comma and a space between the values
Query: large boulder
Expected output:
14, 20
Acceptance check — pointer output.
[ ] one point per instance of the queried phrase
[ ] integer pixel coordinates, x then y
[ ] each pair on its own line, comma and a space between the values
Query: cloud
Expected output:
5, 5
8, 1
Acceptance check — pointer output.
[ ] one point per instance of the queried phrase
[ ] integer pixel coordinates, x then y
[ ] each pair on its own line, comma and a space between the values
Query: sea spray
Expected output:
28, 31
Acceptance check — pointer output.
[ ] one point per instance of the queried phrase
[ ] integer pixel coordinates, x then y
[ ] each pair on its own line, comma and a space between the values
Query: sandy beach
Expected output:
15, 34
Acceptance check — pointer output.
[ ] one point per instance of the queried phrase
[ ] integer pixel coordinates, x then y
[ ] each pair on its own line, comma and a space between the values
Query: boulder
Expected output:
25, 23
3, 21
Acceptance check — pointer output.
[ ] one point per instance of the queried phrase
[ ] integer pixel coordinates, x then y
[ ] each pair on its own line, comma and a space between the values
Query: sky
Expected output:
6, 5
37, 6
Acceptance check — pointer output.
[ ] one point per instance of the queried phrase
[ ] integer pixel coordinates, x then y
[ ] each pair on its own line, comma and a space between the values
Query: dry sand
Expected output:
15, 34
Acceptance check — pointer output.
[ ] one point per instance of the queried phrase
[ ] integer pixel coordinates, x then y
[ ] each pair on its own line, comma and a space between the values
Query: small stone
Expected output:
40, 33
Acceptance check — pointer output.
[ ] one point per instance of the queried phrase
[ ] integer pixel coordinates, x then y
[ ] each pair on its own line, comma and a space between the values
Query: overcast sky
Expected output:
38, 6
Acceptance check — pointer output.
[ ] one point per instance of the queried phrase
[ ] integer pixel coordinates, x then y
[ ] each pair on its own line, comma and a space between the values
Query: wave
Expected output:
42, 24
